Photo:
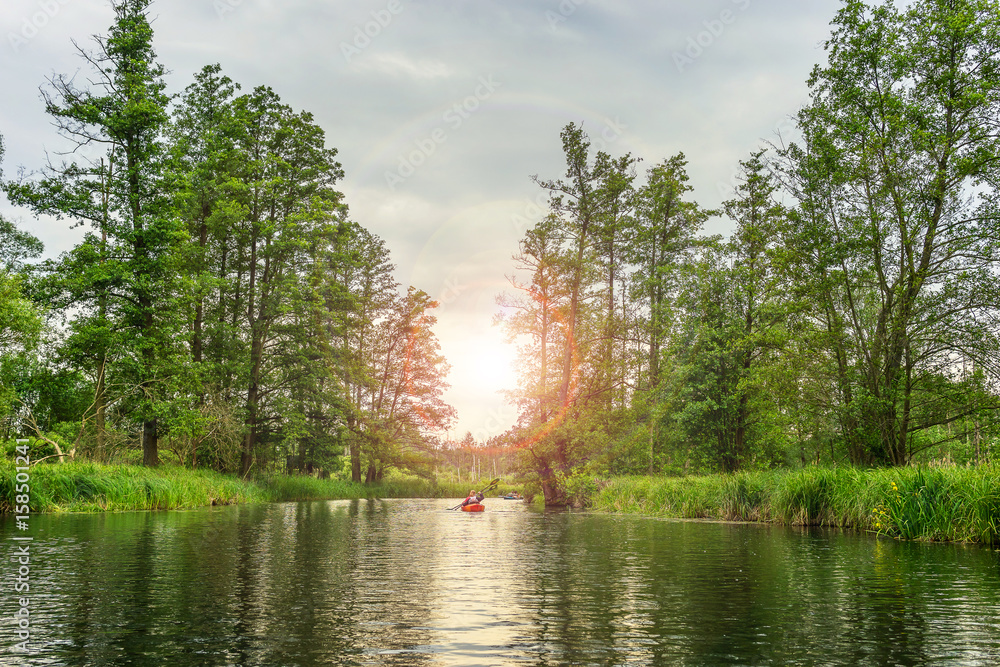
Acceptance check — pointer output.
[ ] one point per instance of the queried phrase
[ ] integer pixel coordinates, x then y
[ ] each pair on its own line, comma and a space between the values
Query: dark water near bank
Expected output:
406, 582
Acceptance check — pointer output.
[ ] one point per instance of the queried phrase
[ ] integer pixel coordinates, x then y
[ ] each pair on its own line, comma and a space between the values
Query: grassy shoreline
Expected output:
91, 487
953, 504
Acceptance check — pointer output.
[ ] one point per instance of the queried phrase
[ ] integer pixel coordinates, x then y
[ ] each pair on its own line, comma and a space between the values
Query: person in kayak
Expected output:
473, 498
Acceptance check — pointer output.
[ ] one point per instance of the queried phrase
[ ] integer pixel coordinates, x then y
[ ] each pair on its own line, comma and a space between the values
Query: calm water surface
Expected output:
406, 582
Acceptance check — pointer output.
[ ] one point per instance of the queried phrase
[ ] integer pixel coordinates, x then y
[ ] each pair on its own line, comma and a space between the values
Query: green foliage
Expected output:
744, 497
579, 487
20, 319
37, 448
851, 314
941, 504
21, 323
896, 216
917, 503
220, 306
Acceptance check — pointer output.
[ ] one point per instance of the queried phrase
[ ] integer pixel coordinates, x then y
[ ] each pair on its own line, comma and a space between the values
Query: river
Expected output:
407, 582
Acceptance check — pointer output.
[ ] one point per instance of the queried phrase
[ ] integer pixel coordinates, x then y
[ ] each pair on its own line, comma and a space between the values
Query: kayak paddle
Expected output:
489, 487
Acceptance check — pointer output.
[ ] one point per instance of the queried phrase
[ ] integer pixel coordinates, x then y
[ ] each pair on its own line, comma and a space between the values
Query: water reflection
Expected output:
409, 583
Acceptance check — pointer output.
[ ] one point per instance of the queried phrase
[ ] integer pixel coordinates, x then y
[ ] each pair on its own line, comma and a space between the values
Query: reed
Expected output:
282, 488
90, 487
682, 497
915, 503
287, 488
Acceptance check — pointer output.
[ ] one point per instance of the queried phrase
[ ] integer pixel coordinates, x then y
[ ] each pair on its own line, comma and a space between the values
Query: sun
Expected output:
481, 366
494, 367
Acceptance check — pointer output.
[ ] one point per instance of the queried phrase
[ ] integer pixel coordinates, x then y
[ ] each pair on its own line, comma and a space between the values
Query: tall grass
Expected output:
947, 504
90, 487
301, 487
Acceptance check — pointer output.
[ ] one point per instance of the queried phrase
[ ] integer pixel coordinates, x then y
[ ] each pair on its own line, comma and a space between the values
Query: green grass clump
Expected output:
745, 497
948, 504
286, 488
956, 504
683, 497
88, 487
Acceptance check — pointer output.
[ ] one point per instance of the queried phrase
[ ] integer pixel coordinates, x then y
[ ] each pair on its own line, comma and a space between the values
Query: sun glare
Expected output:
482, 366
495, 368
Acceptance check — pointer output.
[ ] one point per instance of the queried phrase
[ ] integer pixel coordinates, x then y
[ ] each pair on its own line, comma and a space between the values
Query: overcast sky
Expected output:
442, 110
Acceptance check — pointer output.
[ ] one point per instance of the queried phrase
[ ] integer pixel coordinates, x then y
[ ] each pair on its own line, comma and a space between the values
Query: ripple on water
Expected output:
408, 583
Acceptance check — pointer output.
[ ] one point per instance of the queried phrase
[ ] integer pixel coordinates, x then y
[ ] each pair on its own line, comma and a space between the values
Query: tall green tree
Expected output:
202, 178
699, 392
666, 231
581, 361
364, 291
576, 205
663, 238
290, 210
202, 167
132, 253
616, 217
897, 180
762, 308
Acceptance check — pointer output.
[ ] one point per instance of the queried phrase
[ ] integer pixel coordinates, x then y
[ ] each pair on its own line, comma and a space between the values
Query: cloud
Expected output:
400, 65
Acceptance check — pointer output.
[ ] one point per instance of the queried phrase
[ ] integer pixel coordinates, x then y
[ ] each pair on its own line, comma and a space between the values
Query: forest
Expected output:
221, 306
224, 311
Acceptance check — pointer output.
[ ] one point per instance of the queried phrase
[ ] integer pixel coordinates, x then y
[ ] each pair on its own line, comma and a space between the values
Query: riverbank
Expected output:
91, 487
953, 504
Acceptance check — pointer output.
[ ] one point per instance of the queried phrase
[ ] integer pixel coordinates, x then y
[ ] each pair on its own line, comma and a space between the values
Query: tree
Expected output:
761, 306
409, 379
536, 311
575, 358
363, 291
120, 193
698, 394
615, 219
290, 209
575, 204
666, 231
664, 236
897, 181
202, 170
21, 322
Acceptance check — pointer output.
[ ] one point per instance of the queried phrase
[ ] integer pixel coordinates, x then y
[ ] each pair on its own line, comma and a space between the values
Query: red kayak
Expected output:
473, 507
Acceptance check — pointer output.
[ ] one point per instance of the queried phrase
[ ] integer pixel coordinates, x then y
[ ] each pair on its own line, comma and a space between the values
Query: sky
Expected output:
442, 110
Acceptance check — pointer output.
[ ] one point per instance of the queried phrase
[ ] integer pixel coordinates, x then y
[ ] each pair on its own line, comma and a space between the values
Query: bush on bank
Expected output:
918, 503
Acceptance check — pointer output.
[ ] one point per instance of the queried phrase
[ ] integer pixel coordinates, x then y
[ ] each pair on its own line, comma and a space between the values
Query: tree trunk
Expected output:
150, 453
100, 409
253, 404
